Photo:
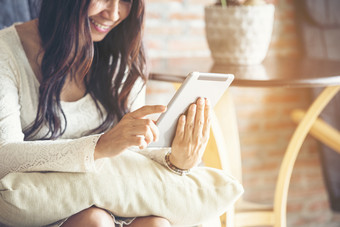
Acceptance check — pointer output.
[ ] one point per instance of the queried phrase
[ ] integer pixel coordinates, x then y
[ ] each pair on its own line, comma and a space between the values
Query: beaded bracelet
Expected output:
173, 168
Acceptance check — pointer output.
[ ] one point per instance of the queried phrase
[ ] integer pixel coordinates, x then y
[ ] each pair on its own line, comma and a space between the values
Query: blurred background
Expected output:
176, 28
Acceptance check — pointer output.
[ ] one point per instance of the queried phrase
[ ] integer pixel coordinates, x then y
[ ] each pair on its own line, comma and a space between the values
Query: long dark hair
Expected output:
66, 40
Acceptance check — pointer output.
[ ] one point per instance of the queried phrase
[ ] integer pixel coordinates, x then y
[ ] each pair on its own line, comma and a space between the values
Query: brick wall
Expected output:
175, 28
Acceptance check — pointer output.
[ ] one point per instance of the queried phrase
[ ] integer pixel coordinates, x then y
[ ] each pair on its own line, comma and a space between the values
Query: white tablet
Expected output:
196, 84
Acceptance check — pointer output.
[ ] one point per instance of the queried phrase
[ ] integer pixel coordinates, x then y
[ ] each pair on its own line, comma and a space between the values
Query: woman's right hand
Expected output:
192, 135
134, 129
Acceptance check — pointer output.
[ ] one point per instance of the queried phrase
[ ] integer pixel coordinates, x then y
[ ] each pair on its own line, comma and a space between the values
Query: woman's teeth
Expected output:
103, 27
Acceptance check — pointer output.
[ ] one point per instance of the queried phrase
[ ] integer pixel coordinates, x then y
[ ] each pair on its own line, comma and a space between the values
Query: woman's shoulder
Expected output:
13, 59
8, 42
9, 53
5, 30
8, 34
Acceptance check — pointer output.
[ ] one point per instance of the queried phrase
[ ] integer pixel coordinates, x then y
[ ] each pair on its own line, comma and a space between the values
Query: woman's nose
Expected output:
112, 10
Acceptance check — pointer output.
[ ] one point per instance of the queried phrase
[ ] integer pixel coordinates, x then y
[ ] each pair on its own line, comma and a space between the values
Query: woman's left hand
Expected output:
191, 136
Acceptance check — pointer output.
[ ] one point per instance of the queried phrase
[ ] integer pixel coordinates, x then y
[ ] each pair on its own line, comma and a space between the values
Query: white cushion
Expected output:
128, 185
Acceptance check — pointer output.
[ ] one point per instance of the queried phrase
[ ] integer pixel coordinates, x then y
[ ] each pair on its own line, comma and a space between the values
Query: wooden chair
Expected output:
224, 152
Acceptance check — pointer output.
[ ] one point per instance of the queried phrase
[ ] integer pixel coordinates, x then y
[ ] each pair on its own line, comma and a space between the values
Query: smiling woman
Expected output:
72, 91
105, 15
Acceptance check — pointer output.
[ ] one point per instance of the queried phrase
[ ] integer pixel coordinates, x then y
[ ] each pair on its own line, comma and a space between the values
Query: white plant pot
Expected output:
239, 34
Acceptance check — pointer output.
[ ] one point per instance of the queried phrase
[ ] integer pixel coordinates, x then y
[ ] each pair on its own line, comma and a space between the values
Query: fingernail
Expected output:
207, 102
193, 107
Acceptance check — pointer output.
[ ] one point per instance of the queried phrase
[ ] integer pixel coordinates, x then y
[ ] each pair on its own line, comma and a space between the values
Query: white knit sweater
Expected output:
19, 87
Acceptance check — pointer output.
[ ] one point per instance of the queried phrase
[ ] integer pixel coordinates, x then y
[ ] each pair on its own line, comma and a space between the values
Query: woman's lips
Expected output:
99, 27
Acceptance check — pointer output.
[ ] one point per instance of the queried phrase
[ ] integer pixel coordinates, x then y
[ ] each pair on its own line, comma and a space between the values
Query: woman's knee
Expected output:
159, 222
151, 221
91, 217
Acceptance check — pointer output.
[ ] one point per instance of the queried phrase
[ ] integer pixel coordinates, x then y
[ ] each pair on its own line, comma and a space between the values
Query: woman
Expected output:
70, 83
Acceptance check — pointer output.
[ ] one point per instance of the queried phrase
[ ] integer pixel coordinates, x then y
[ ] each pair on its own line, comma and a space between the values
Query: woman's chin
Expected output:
97, 38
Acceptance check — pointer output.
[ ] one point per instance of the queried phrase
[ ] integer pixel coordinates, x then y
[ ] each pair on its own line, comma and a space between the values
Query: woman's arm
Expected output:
19, 155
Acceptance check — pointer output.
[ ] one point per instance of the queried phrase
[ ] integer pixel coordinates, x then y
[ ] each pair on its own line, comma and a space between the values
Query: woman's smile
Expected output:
100, 27
105, 15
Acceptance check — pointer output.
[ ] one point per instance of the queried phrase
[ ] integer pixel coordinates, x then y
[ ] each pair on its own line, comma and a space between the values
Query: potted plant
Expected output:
239, 31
